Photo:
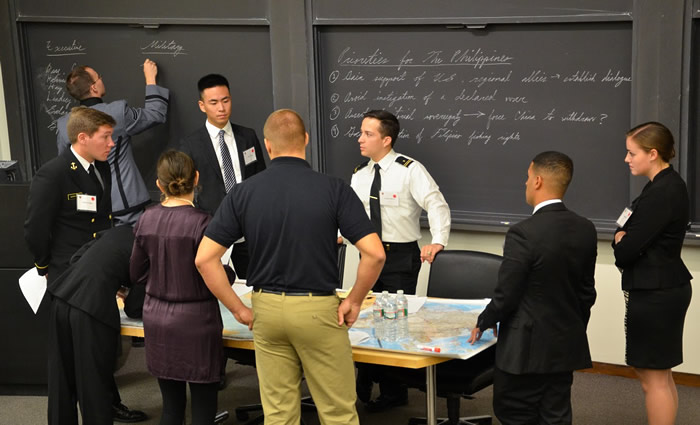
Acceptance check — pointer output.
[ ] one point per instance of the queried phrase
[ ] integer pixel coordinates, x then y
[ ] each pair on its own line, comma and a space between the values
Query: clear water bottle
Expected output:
390, 331
378, 316
401, 315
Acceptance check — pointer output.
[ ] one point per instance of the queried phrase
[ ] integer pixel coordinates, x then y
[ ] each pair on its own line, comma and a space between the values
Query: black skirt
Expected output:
654, 326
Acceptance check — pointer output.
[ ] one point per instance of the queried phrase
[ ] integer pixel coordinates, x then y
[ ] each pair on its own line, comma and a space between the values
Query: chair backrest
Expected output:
463, 274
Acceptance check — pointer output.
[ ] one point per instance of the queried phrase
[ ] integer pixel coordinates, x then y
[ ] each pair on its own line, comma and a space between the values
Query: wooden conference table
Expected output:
362, 355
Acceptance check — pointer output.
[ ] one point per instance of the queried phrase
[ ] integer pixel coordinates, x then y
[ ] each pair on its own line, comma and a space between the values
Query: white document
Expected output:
33, 287
357, 337
415, 303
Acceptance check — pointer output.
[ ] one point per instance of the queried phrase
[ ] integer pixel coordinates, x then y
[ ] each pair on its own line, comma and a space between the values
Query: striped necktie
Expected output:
229, 174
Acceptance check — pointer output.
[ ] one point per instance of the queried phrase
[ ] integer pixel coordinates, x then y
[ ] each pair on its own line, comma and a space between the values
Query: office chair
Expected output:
462, 275
247, 357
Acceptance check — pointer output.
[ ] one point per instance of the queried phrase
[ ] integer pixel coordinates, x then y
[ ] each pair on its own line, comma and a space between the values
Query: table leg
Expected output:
430, 388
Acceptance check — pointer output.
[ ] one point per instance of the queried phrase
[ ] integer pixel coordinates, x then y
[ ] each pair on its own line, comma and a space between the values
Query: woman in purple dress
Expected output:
181, 318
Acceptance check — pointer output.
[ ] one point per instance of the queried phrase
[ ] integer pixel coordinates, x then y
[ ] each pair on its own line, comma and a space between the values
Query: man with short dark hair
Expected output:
223, 152
543, 301
290, 216
395, 189
129, 193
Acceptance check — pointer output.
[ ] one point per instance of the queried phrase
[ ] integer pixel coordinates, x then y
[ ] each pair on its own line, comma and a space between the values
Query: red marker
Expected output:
431, 349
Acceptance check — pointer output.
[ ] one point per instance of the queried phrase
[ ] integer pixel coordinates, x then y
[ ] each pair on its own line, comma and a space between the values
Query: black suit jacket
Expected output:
650, 252
54, 229
544, 294
96, 273
198, 145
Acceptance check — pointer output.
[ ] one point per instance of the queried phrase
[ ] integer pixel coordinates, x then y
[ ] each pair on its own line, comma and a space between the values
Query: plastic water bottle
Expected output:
390, 333
378, 316
401, 315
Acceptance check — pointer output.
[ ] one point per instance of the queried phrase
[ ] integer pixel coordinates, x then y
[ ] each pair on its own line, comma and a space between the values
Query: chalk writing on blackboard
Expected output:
470, 95
71, 49
164, 47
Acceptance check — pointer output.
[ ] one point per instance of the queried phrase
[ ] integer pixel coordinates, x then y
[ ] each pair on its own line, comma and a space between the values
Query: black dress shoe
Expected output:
121, 413
385, 403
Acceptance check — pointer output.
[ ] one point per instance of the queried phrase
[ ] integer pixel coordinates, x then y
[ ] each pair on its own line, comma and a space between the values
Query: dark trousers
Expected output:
400, 272
532, 399
400, 269
82, 355
175, 400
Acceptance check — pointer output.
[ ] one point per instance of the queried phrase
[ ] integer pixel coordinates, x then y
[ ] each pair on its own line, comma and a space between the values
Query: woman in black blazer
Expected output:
655, 281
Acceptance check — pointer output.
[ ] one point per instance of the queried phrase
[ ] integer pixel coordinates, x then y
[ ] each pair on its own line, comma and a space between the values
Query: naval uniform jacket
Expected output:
129, 192
544, 294
96, 273
54, 229
198, 146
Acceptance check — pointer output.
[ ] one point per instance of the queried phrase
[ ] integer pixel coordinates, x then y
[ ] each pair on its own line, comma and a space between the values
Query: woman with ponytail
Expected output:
181, 318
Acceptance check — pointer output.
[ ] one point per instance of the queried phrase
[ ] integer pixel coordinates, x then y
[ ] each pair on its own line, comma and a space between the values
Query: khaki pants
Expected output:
297, 335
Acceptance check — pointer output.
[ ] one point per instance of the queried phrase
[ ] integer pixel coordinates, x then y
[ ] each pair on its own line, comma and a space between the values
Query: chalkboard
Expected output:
183, 54
476, 106
694, 128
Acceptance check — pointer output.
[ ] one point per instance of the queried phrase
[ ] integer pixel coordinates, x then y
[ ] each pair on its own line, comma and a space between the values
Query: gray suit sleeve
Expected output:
155, 111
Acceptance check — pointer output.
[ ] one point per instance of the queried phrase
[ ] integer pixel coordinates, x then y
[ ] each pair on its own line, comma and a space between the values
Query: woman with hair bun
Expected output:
181, 318
655, 281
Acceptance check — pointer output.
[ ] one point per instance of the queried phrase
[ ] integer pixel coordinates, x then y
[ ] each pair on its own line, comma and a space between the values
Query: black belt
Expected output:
295, 293
388, 246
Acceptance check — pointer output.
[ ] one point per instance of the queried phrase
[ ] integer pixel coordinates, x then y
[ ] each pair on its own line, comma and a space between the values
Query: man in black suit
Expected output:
69, 198
543, 301
84, 329
223, 152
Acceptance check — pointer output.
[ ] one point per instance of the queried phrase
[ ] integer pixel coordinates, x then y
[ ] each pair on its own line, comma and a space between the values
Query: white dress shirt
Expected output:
86, 165
230, 143
416, 191
544, 204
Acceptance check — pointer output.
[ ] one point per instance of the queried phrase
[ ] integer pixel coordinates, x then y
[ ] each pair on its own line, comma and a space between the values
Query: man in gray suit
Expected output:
129, 194
543, 301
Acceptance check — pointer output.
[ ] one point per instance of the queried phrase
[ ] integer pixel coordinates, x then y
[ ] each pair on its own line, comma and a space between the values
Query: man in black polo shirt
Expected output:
290, 215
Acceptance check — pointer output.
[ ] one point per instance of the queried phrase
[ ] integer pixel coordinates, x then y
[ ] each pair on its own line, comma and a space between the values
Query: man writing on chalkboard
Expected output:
129, 193
395, 189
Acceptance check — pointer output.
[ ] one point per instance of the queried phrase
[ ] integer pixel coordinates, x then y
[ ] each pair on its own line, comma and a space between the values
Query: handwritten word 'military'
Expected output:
346, 58
164, 47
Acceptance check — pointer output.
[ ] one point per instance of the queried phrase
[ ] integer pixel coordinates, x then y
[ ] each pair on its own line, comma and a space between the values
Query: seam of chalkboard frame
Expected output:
142, 22
482, 20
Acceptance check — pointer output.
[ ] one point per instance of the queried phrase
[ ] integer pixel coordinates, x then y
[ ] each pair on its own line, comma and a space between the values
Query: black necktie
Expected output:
93, 176
375, 214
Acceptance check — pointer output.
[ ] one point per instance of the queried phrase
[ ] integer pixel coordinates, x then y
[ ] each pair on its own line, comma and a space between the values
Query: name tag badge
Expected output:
626, 214
390, 199
249, 156
87, 203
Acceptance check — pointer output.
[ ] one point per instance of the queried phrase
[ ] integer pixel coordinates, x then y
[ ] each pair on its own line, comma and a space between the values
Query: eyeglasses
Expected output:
99, 77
